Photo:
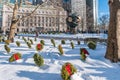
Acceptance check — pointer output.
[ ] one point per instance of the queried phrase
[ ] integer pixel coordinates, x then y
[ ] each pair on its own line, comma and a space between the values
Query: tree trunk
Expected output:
12, 32
118, 32
15, 20
13, 23
112, 44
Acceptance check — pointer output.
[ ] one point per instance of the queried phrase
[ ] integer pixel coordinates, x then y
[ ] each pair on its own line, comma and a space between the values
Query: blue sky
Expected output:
103, 7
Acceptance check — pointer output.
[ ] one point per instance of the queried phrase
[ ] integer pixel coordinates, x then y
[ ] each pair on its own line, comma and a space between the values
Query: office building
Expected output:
46, 18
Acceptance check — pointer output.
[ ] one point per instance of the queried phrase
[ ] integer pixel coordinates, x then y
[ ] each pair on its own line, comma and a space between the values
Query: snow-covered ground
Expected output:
84, 35
96, 67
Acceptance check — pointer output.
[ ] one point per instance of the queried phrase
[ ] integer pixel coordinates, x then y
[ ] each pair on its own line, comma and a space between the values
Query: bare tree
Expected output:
15, 19
113, 45
104, 20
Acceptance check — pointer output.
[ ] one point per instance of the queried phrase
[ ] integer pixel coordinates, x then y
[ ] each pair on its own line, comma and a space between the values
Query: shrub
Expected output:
28, 38
3, 39
62, 41
67, 70
18, 37
7, 48
72, 45
7, 42
53, 42
24, 39
42, 42
31, 41
28, 44
35, 39
18, 43
60, 50
0, 39
15, 57
92, 45
83, 53
38, 59
78, 42
39, 47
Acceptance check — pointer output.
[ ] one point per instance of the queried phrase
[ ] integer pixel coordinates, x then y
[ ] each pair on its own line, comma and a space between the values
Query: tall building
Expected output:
67, 6
92, 14
95, 12
79, 7
88, 12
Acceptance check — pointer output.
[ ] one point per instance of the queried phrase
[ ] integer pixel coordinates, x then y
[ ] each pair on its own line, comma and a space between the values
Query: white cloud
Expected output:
103, 13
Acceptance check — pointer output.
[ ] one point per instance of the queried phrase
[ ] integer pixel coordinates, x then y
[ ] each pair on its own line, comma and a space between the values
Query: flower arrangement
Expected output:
53, 42
0, 38
62, 41
24, 39
83, 53
60, 50
29, 45
18, 43
42, 42
35, 39
78, 42
15, 57
31, 41
39, 61
28, 38
3, 39
7, 48
92, 45
18, 37
39, 47
67, 70
72, 45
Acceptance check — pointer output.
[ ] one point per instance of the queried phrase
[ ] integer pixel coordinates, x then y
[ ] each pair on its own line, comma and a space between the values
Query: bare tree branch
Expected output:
29, 14
104, 20
15, 19
15, 10
10, 6
20, 4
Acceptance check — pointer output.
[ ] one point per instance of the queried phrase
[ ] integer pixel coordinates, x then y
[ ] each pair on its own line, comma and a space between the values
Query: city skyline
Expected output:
103, 7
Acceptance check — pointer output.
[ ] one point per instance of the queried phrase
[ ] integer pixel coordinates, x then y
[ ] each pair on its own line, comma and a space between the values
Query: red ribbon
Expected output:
85, 51
16, 57
39, 46
68, 68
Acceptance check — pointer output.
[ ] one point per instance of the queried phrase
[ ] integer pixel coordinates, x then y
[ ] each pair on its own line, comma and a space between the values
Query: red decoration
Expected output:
16, 57
85, 51
68, 68
39, 46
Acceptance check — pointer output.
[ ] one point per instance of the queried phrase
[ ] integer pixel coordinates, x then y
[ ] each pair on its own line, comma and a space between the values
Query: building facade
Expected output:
46, 18
92, 14
35, 2
86, 9
67, 6
79, 7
